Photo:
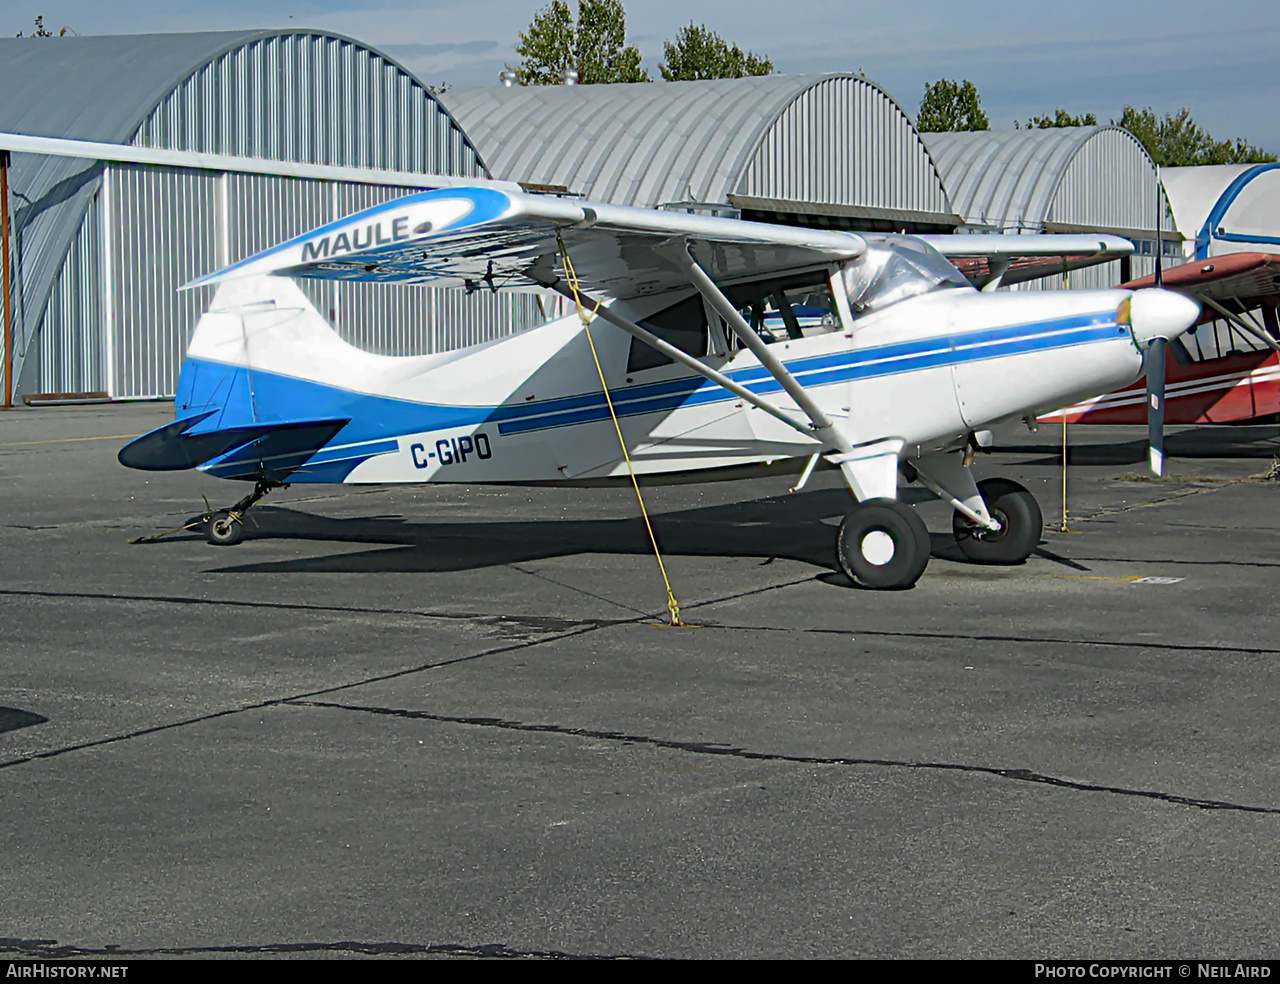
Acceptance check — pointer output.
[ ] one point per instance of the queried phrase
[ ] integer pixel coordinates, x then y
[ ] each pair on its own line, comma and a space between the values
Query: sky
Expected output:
1026, 58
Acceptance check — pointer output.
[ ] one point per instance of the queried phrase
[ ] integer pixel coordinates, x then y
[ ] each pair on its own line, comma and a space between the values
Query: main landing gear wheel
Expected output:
224, 529
1020, 519
883, 544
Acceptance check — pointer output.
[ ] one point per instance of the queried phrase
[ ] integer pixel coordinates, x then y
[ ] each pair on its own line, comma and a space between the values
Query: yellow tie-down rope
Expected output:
673, 607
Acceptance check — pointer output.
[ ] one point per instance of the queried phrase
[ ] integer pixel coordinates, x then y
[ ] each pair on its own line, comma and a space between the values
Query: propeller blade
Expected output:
1155, 404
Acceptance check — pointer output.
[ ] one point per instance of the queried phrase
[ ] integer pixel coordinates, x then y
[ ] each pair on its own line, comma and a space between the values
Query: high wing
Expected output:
1230, 287
1245, 278
482, 237
996, 260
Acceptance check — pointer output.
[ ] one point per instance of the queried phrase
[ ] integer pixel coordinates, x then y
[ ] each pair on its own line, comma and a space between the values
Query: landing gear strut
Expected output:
225, 528
221, 527
1020, 519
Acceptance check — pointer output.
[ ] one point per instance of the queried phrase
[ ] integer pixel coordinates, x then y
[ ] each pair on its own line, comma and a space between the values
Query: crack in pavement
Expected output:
570, 628
575, 627
53, 950
1181, 563
1259, 479
530, 620
544, 621
275, 701
581, 591
710, 748
1022, 640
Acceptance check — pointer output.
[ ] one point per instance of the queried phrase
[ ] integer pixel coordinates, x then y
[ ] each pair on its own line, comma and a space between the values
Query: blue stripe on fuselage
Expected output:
275, 397
890, 355
839, 367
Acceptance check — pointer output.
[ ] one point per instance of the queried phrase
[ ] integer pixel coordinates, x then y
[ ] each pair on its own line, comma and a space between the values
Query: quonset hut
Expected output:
1062, 179
100, 249
1227, 208
820, 150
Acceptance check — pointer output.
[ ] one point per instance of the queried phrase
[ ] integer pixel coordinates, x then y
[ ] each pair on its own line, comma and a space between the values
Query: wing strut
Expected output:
669, 350
1239, 321
823, 429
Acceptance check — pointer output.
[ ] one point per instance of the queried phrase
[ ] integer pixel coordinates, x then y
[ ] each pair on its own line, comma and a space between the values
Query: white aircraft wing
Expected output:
483, 237
1016, 259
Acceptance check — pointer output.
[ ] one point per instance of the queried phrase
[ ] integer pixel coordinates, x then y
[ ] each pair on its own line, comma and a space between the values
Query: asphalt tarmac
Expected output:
444, 721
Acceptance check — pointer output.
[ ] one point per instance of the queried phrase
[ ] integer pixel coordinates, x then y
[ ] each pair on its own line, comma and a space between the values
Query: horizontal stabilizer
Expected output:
182, 444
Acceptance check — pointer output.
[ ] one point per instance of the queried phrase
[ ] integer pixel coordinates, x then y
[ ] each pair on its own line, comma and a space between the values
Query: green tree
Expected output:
41, 31
1060, 117
595, 45
1176, 140
697, 53
949, 105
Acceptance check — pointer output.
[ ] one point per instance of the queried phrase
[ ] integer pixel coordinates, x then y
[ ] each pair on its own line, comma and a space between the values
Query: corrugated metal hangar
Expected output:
831, 150
1061, 179
100, 249
1227, 208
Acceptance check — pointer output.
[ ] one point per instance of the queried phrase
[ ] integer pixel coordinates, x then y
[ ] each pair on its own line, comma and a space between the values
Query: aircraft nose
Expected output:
1159, 313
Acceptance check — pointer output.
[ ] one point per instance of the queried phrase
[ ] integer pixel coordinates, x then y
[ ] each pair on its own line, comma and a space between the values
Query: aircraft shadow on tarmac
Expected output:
797, 527
1219, 441
11, 719
788, 526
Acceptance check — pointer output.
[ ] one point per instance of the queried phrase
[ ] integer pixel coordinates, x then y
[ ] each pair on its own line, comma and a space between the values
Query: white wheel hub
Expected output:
877, 548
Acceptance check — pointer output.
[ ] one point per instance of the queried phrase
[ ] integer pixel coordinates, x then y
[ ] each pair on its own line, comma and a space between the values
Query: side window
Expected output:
684, 325
794, 307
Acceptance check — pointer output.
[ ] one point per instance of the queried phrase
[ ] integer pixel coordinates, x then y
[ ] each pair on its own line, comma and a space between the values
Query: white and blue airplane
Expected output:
721, 348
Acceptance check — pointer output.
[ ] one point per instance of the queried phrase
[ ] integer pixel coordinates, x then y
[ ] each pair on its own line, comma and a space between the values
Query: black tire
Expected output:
223, 529
883, 544
1021, 524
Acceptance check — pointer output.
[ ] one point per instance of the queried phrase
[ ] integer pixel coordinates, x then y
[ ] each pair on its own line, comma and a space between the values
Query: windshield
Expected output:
894, 268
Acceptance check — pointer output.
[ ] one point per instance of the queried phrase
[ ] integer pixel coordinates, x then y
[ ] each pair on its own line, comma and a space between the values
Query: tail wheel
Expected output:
1020, 519
224, 529
883, 544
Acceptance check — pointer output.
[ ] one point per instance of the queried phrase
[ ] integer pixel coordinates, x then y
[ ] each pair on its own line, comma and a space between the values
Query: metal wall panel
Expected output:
87, 88
292, 96
72, 347
326, 100
1068, 178
162, 235
166, 230
265, 210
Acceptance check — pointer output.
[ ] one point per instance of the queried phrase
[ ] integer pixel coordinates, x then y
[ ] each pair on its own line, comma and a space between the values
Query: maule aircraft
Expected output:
710, 347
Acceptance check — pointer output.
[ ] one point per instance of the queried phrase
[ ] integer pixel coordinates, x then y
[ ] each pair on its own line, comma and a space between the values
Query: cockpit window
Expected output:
793, 307
893, 269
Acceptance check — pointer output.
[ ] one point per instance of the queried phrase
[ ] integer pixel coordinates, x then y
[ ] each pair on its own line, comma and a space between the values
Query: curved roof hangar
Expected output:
819, 149
1060, 179
1227, 208
298, 95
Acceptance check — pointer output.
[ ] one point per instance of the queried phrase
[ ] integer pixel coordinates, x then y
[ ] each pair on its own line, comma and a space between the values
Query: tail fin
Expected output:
269, 324
267, 384
236, 425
